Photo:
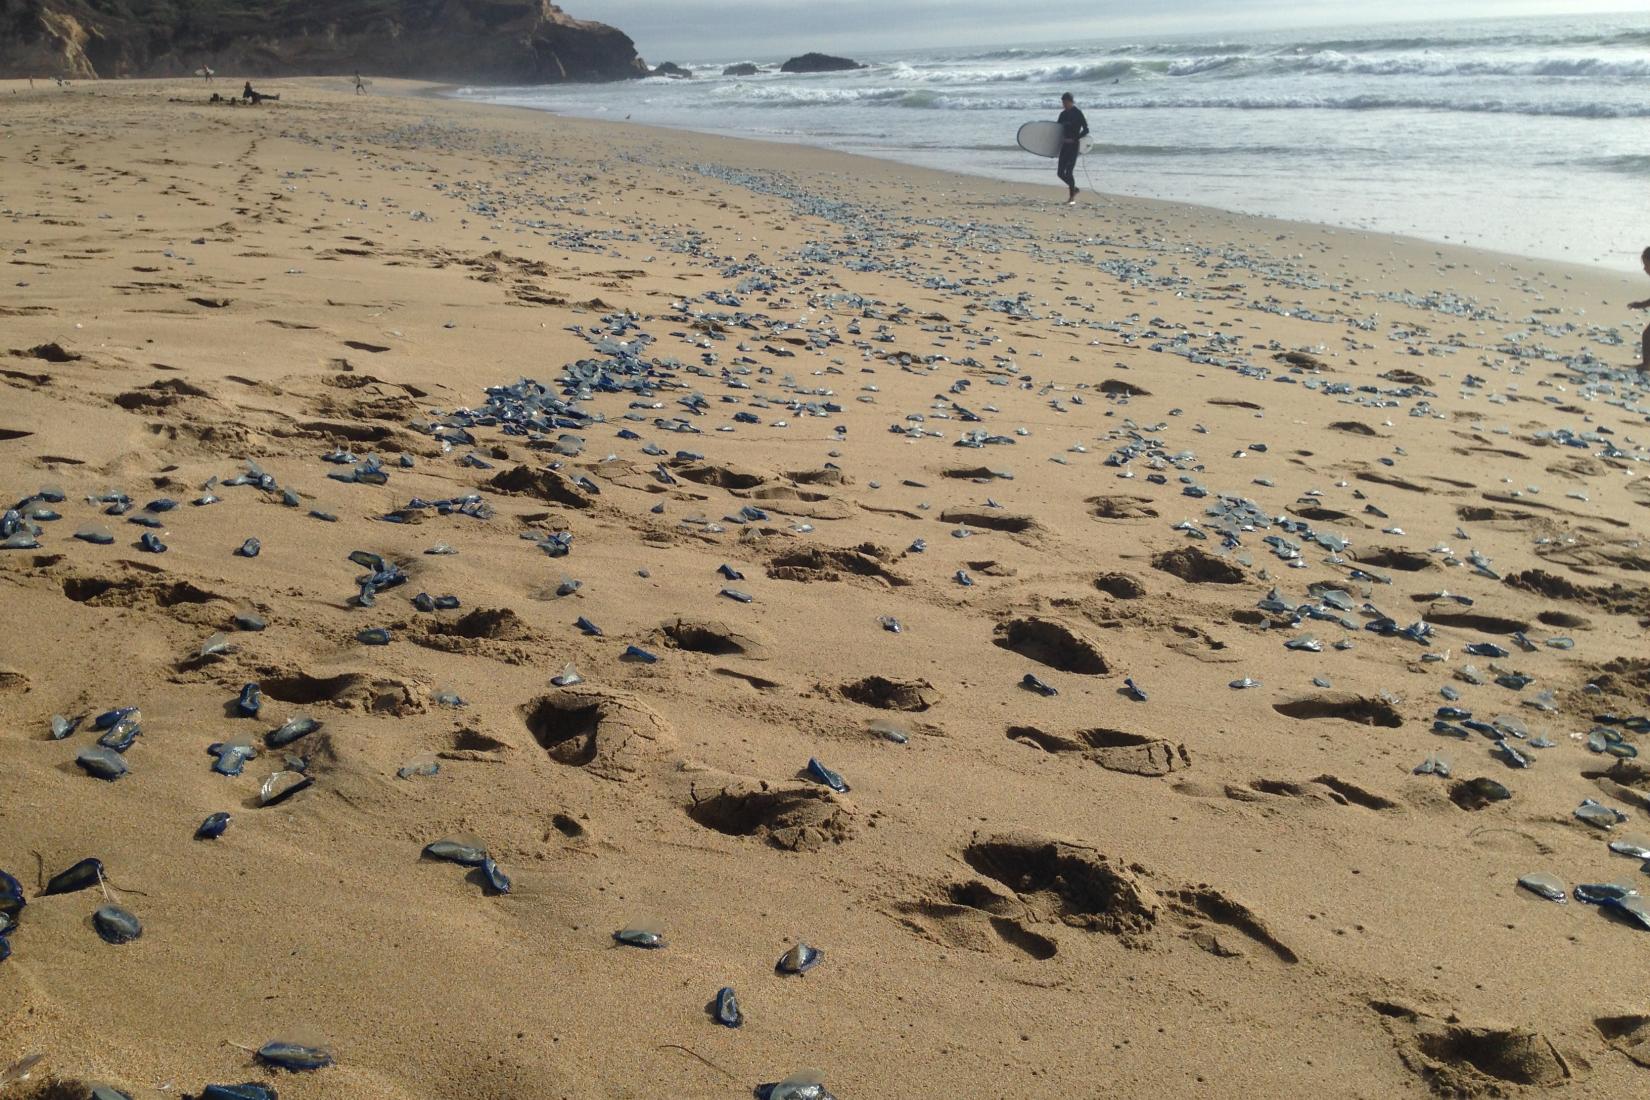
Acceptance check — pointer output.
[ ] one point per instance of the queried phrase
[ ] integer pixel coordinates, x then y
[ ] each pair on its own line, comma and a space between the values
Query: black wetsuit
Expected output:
1076, 127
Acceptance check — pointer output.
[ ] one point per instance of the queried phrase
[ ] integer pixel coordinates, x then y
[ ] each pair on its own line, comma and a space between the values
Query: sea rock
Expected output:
744, 68
670, 68
818, 63
499, 41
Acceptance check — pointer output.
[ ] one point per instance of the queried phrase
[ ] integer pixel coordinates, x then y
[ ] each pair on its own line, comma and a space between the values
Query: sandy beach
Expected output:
1238, 493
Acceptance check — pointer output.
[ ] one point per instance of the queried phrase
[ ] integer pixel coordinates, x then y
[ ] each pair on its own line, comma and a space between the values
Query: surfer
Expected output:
1644, 350
1076, 128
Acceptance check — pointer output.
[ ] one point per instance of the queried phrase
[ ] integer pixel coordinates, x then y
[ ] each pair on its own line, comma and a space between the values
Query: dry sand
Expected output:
1213, 892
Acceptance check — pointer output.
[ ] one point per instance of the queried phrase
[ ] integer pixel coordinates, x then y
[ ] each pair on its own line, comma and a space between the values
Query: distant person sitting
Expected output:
1076, 128
1644, 348
255, 97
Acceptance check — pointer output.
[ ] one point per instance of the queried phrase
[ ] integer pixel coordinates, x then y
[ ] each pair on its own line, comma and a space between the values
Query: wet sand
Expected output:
1211, 891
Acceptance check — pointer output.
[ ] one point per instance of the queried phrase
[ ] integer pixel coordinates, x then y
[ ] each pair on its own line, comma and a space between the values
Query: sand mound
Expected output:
886, 694
1053, 644
1067, 882
610, 735
1120, 507
1122, 586
542, 484
1114, 750
1195, 564
1359, 709
823, 563
794, 818
722, 475
714, 637
1459, 1060
492, 623
1387, 557
992, 520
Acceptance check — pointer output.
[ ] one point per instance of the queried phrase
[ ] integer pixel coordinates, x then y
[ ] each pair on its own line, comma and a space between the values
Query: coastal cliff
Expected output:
491, 41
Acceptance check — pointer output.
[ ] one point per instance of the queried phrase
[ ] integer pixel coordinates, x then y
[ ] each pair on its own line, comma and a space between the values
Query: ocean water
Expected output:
1523, 136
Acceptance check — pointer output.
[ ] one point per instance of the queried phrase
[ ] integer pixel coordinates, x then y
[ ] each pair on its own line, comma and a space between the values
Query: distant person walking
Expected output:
1644, 349
360, 85
1076, 128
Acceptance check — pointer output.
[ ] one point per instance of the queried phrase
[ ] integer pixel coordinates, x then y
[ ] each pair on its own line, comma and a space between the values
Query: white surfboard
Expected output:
1044, 138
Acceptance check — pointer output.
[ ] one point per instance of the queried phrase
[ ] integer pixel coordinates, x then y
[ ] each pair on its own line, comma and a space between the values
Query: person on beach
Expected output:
1644, 349
1076, 127
360, 85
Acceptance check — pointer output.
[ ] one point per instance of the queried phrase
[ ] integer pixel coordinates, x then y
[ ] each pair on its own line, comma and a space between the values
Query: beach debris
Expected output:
799, 959
819, 773
116, 925
21, 1069
247, 1090
804, 1084
213, 827
279, 786
1544, 885
1598, 815
1477, 793
495, 878
638, 654
122, 734
1634, 847
1134, 691
295, 727
231, 755
419, 767
251, 548
888, 731
80, 876
462, 851
649, 938
1619, 898
567, 677
293, 1057
250, 701
1031, 683
216, 645
724, 1008
102, 763
1433, 765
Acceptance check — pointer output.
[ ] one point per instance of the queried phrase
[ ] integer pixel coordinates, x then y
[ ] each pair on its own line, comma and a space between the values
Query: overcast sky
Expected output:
689, 30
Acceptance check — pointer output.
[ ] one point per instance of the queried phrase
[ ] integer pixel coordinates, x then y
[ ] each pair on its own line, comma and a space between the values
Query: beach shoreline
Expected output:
1453, 131
1037, 194
861, 449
